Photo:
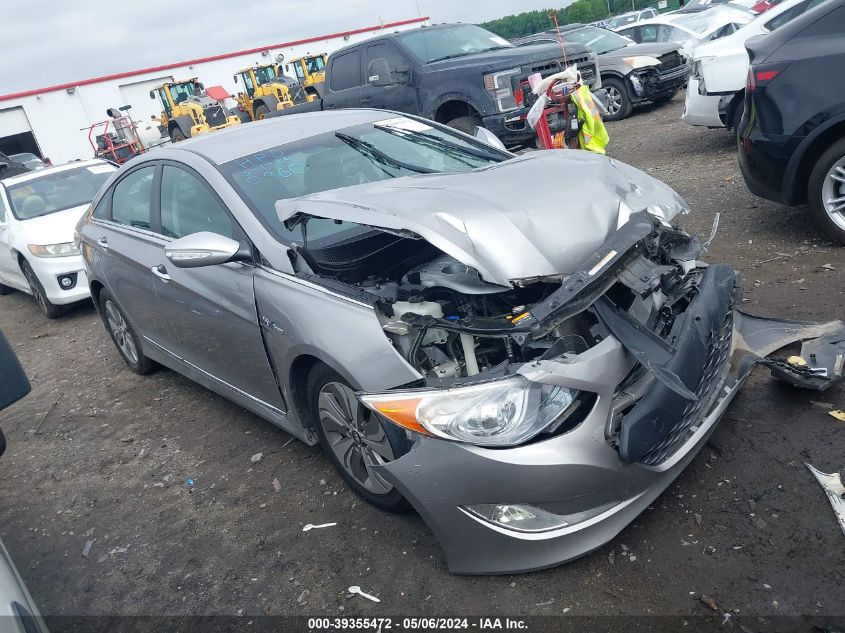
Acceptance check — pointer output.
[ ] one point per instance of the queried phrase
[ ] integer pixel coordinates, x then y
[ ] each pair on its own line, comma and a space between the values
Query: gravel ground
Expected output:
745, 523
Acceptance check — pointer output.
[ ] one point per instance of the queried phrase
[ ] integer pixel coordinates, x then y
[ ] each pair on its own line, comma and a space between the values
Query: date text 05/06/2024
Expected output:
402, 625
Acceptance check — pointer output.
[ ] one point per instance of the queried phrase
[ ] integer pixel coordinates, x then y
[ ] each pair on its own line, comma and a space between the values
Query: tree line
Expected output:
584, 11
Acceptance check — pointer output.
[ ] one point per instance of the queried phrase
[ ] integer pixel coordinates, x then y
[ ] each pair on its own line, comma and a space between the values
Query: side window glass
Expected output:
382, 57
648, 33
131, 201
188, 206
101, 211
346, 70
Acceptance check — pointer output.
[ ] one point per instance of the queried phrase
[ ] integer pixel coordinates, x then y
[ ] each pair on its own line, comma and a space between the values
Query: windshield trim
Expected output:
46, 173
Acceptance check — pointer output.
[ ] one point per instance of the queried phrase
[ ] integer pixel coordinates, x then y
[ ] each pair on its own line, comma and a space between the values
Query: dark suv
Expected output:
792, 135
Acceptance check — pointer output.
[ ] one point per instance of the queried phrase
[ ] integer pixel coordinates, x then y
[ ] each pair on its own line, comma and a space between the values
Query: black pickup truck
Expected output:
457, 74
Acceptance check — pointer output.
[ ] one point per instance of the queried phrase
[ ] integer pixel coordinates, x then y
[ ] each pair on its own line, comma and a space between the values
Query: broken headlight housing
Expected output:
498, 413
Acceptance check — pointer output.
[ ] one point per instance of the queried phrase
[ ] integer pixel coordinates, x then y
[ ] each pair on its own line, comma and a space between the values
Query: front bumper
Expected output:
50, 269
701, 109
649, 84
512, 128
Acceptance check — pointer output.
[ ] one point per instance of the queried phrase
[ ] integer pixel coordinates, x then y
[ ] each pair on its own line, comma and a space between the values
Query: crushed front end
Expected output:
541, 430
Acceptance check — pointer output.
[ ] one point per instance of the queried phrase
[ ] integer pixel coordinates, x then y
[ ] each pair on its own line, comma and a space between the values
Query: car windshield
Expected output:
265, 75
370, 152
57, 190
600, 40
433, 44
623, 20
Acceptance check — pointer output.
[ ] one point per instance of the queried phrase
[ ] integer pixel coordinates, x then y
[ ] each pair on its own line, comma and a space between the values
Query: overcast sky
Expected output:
57, 41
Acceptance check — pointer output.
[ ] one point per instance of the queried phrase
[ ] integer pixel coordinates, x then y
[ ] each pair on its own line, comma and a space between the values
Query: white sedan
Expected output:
716, 89
691, 29
39, 211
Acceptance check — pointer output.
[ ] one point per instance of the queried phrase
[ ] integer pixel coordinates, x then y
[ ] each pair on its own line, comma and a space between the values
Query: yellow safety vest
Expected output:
592, 134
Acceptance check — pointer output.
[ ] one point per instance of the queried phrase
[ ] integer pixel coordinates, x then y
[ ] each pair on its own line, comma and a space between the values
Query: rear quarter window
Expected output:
345, 71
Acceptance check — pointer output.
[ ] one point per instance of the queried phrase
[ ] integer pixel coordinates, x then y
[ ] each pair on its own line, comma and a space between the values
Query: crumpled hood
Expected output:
534, 215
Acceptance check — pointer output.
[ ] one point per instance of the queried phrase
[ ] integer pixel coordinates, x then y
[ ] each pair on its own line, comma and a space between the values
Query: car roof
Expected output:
718, 16
231, 143
35, 175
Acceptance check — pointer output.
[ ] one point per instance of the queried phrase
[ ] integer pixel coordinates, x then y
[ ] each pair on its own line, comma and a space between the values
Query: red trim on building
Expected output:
190, 62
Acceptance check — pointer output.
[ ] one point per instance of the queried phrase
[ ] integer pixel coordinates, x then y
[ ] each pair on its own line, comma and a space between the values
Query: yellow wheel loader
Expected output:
310, 71
188, 111
266, 89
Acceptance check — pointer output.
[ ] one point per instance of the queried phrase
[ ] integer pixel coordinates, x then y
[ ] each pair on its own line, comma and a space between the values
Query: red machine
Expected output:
118, 146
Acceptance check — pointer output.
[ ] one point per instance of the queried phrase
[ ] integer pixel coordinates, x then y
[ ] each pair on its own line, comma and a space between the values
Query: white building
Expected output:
54, 121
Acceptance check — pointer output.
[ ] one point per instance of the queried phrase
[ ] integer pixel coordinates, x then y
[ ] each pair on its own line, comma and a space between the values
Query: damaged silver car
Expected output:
526, 350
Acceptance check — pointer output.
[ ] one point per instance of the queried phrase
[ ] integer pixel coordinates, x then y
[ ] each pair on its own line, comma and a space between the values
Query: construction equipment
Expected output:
266, 89
189, 111
118, 146
310, 71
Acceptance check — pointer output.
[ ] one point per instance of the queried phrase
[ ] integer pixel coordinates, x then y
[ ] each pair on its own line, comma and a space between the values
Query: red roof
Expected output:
190, 62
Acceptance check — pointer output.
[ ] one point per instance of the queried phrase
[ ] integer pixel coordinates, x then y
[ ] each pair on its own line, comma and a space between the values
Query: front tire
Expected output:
176, 135
261, 111
50, 309
347, 429
826, 192
124, 336
465, 124
619, 104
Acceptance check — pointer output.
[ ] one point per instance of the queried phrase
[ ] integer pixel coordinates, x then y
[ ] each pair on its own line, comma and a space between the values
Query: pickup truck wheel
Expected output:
49, 308
465, 124
826, 192
124, 337
619, 104
176, 135
347, 430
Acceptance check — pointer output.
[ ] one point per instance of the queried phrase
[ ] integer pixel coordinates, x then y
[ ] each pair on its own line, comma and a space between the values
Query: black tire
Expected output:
466, 124
176, 134
123, 335
323, 405
619, 103
736, 116
835, 155
4, 290
243, 116
49, 308
261, 111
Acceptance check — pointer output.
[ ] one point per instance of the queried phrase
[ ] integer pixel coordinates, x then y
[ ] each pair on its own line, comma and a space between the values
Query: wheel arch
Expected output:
453, 108
804, 159
297, 384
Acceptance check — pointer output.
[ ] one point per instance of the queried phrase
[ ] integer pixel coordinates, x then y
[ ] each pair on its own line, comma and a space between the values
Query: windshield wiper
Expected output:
437, 142
465, 53
368, 149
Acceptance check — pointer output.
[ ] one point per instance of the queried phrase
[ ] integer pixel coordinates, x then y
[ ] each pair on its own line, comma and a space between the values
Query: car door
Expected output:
126, 246
213, 321
384, 63
345, 80
10, 272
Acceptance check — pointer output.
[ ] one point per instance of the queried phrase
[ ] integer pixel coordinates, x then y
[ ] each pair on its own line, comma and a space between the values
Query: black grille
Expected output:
670, 61
214, 115
711, 381
553, 66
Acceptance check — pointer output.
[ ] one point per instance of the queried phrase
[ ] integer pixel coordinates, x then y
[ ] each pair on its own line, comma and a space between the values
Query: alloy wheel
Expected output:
120, 330
353, 432
614, 100
833, 193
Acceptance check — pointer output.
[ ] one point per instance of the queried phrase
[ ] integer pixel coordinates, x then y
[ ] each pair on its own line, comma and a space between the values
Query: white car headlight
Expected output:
503, 412
641, 61
65, 249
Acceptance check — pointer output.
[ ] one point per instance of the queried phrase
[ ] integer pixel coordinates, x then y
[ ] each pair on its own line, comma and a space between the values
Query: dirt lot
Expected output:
745, 523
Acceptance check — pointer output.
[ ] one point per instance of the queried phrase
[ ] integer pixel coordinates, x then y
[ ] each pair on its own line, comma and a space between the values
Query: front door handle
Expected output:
160, 272
103, 243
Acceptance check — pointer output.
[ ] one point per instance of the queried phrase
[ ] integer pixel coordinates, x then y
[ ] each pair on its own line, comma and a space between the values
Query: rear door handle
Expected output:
103, 243
160, 272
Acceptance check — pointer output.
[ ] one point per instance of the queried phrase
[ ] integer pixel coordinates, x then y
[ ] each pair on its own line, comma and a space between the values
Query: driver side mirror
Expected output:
14, 385
152, 94
206, 249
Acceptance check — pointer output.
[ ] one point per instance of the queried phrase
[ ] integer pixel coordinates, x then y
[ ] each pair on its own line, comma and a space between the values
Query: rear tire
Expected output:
124, 336
345, 428
4, 290
49, 308
176, 135
827, 183
619, 104
466, 124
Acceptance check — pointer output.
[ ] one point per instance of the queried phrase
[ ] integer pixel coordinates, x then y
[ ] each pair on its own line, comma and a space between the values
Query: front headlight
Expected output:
65, 249
499, 86
498, 413
641, 61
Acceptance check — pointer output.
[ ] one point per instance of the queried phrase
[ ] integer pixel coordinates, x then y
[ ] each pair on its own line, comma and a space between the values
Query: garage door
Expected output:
13, 121
137, 95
